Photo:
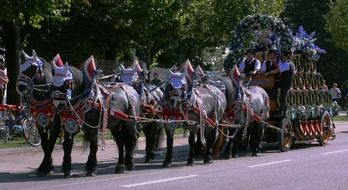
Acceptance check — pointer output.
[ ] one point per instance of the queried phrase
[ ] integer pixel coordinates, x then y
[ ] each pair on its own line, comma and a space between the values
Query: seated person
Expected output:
270, 66
250, 65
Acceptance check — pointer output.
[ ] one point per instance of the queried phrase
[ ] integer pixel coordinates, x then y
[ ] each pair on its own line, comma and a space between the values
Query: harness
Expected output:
43, 110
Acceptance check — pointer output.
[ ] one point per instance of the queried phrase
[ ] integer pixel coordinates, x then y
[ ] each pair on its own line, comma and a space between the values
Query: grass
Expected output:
340, 118
19, 142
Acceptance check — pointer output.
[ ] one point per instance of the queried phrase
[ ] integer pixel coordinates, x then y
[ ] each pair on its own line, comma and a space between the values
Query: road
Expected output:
306, 166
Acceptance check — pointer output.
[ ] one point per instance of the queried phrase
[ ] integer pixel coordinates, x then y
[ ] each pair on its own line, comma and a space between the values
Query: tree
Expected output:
337, 23
16, 16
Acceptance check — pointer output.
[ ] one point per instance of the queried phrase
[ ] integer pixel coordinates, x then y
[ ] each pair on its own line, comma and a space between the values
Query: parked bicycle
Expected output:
17, 121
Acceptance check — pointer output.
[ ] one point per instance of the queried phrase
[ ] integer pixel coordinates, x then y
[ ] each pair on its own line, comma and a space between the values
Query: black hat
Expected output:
272, 51
250, 50
287, 53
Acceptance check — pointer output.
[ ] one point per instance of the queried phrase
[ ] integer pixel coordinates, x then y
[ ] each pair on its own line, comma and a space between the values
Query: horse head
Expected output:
128, 75
62, 84
176, 89
34, 71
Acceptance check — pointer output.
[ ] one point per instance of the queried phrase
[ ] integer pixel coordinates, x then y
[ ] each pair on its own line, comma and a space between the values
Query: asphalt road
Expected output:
306, 166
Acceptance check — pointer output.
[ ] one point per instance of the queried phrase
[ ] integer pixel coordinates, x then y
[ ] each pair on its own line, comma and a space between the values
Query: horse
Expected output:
34, 85
246, 107
151, 97
187, 104
79, 105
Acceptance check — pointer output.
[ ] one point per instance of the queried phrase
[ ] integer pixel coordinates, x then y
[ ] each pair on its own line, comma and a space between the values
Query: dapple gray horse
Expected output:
245, 107
151, 97
204, 105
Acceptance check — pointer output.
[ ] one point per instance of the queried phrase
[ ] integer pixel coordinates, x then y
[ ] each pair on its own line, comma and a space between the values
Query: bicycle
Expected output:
10, 115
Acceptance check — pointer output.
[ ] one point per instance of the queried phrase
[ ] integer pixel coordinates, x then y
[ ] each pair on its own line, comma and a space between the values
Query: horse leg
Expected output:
91, 165
149, 147
117, 134
236, 140
210, 136
67, 147
170, 135
130, 145
228, 147
255, 138
191, 141
47, 143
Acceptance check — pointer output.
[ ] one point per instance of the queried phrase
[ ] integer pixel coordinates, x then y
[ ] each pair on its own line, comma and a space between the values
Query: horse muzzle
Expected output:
59, 100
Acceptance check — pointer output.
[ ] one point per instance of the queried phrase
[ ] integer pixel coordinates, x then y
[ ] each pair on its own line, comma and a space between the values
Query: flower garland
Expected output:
279, 35
304, 44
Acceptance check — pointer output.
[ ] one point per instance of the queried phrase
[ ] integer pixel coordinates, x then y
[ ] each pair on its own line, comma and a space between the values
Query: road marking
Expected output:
269, 163
158, 181
334, 152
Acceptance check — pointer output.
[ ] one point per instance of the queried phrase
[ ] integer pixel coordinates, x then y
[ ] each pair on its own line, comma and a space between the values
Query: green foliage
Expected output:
337, 23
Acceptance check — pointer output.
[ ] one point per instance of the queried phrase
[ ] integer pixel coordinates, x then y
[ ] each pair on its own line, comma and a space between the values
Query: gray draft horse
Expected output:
245, 107
151, 97
34, 84
203, 104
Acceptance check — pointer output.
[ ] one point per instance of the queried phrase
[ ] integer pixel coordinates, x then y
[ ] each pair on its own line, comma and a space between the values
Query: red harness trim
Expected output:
42, 107
148, 108
5, 107
67, 113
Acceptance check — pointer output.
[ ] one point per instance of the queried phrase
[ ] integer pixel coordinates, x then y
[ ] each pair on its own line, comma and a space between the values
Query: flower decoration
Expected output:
304, 43
268, 32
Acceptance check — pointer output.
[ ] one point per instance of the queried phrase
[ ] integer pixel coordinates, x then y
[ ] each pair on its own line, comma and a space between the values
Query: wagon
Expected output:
309, 109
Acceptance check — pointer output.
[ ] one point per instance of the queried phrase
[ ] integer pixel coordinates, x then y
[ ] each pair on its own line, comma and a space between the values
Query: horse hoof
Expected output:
235, 156
148, 160
42, 173
226, 156
68, 173
130, 167
91, 174
254, 154
167, 164
119, 170
208, 161
190, 162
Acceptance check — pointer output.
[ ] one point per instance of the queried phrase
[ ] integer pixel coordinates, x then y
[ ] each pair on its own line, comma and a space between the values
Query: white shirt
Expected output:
335, 93
264, 67
257, 65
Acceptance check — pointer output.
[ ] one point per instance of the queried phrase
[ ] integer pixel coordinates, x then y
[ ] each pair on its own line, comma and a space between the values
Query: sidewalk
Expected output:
29, 158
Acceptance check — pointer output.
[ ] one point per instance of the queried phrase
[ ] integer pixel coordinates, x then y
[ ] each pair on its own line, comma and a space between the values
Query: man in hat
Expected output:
271, 67
287, 71
250, 65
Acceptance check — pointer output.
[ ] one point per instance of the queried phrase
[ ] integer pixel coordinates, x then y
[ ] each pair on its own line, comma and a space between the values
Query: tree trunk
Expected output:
12, 45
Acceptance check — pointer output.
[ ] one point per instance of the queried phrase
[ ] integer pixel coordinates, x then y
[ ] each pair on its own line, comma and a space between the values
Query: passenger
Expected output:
287, 71
270, 66
250, 65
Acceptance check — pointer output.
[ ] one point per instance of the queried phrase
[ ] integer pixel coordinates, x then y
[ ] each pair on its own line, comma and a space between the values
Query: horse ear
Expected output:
171, 72
34, 54
66, 67
25, 55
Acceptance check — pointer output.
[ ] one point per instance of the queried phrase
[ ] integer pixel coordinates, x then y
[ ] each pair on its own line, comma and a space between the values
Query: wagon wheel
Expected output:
326, 125
285, 136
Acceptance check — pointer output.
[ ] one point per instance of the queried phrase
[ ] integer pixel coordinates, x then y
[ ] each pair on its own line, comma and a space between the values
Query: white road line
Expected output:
268, 163
158, 181
334, 152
